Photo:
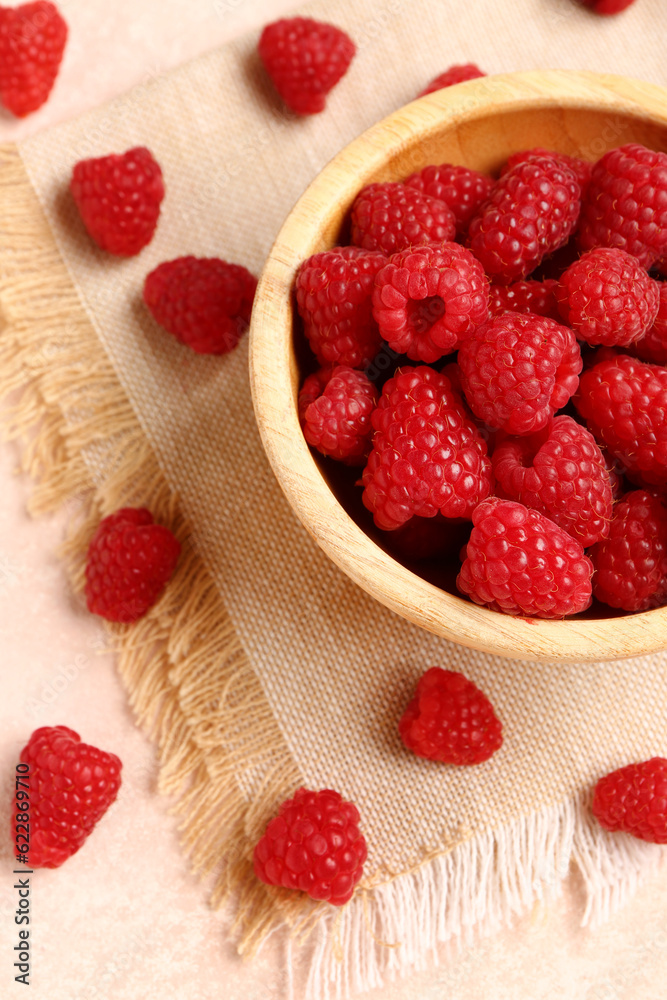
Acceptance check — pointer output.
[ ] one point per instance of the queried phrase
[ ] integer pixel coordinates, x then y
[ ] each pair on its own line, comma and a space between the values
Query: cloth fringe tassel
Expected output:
476, 889
191, 686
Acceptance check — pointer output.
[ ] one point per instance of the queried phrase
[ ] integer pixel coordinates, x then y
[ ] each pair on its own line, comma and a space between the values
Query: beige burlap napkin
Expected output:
263, 667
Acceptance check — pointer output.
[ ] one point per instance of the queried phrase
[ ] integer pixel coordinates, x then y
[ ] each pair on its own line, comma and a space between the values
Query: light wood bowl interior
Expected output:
478, 124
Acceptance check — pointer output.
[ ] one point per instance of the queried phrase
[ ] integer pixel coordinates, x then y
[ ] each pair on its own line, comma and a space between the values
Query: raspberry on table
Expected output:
305, 60
624, 403
631, 564
633, 799
607, 298
625, 205
580, 168
119, 197
333, 294
463, 189
32, 42
450, 720
455, 74
427, 455
130, 561
528, 296
561, 472
518, 369
653, 345
531, 212
607, 6
335, 407
520, 562
427, 300
204, 302
313, 844
391, 217
72, 784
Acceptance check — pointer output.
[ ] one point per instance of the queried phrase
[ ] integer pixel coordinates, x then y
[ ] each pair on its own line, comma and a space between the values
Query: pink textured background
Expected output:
125, 918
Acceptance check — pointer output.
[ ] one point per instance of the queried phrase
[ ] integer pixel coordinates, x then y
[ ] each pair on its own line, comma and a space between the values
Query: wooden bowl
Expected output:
478, 124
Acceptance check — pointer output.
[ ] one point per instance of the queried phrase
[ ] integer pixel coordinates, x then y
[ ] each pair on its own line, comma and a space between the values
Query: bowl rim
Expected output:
273, 371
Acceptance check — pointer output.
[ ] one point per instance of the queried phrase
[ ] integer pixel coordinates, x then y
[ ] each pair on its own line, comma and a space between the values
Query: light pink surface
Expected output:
125, 918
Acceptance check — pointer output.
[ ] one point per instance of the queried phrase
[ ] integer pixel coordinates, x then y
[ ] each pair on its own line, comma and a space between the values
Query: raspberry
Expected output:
626, 204
653, 345
204, 302
333, 294
607, 6
520, 562
631, 564
130, 559
580, 168
464, 190
608, 298
335, 409
428, 299
450, 720
560, 472
633, 800
392, 217
313, 844
451, 76
517, 370
537, 297
427, 455
532, 210
305, 60
624, 403
32, 42
72, 785
118, 197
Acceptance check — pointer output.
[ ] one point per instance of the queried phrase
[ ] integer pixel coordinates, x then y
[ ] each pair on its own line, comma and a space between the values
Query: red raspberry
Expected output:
580, 168
305, 60
608, 298
32, 42
450, 720
607, 6
561, 472
633, 800
335, 409
427, 456
464, 190
631, 564
653, 345
451, 76
626, 204
313, 844
531, 211
624, 403
392, 217
520, 562
204, 302
537, 297
118, 197
130, 559
518, 369
333, 294
428, 299
72, 785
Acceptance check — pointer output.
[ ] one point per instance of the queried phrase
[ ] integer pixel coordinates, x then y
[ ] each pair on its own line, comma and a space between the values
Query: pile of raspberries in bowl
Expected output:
481, 376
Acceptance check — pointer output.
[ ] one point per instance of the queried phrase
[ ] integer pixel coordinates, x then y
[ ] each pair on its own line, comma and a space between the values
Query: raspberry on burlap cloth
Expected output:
263, 668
